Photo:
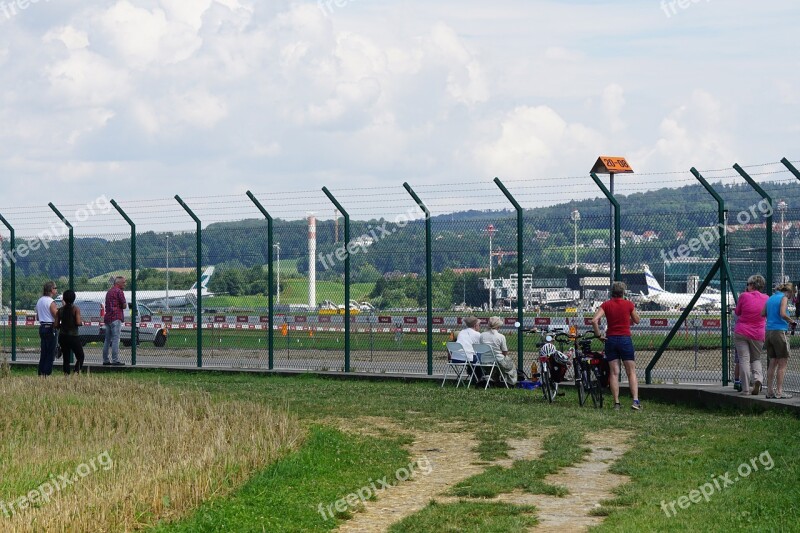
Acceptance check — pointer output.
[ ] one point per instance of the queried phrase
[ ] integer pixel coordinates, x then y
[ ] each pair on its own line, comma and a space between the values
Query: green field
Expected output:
356, 432
295, 292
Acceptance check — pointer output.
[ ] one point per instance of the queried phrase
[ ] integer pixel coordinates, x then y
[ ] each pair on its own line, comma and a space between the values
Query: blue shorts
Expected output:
619, 347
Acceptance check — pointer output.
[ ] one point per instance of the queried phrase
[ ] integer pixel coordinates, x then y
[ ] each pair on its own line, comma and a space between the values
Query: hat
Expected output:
549, 338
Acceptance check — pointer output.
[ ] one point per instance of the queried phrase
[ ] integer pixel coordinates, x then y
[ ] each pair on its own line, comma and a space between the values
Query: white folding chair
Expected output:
488, 360
459, 363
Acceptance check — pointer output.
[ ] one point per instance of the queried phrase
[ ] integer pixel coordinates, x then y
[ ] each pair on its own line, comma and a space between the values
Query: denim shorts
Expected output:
619, 347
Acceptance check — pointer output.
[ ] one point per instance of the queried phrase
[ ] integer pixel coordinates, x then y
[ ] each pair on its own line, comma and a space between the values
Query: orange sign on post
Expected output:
607, 164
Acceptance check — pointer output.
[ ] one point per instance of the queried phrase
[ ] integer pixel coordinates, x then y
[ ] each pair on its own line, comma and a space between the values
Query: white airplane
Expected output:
175, 298
709, 299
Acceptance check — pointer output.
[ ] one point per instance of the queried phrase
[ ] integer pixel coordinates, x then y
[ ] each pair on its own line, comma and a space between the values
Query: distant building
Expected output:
462, 271
400, 275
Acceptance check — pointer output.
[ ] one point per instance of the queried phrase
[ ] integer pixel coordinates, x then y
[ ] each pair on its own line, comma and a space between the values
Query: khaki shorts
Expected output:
777, 344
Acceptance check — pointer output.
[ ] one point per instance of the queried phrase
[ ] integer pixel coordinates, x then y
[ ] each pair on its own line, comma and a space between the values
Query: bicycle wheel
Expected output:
581, 384
548, 387
595, 390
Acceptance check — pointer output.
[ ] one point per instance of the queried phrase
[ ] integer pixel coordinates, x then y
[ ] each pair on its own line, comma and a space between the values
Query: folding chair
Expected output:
459, 363
488, 360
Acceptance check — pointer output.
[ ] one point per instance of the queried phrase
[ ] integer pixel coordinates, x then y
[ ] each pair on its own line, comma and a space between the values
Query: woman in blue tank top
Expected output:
777, 339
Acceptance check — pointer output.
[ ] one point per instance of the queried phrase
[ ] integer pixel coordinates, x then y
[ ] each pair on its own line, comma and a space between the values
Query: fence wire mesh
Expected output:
669, 243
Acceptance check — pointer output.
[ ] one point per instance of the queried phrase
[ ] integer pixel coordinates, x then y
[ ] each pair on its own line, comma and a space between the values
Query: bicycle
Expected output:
586, 366
552, 367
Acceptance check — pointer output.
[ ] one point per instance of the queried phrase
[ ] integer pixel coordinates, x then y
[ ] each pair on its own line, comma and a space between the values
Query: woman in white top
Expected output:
46, 310
497, 341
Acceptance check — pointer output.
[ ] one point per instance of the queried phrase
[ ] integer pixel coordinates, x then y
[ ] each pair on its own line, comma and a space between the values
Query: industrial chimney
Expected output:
312, 261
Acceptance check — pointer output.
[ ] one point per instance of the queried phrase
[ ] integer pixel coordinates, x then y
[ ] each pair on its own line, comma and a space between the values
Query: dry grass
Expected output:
171, 451
5, 366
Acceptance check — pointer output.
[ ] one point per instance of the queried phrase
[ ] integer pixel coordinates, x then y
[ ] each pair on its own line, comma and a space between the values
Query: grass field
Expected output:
137, 452
673, 451
295, 292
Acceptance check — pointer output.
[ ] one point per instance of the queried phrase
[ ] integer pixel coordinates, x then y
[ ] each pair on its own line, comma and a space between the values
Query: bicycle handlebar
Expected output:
566, 337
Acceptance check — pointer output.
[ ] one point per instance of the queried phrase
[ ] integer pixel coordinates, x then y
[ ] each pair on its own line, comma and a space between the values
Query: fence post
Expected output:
768, 198
791, 168
134, 308
199, 281
723, 272
13, 268
346, 276
71, 245
520, 285
428, 273
617, 276
270, 278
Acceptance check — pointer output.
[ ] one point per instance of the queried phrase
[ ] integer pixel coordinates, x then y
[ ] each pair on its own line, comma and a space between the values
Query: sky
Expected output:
208, 98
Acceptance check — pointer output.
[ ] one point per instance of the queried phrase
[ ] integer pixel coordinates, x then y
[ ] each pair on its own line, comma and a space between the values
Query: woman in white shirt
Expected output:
497, 341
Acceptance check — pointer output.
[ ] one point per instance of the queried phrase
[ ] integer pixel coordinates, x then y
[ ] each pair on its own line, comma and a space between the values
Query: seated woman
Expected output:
497, 341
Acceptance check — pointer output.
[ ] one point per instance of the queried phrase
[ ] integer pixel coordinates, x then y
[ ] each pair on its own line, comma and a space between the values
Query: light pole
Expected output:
782, 210
278, 247
575, 216
491, 231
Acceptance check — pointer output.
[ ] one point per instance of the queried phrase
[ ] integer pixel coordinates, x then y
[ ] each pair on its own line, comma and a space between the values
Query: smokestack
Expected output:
312, 261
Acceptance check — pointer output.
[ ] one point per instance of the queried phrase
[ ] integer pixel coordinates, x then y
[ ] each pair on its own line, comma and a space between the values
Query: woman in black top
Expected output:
68, 320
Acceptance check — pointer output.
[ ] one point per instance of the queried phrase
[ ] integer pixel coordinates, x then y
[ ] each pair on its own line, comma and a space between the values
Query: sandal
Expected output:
783, 396
770, 396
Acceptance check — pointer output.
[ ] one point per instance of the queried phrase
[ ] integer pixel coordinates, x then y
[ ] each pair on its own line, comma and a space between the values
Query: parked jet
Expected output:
175, 298
709, 299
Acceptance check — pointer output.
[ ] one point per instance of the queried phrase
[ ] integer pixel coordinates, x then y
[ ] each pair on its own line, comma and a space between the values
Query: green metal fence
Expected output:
378, 279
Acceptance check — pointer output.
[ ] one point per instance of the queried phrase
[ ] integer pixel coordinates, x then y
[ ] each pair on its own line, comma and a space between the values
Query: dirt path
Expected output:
450, 459
589, 482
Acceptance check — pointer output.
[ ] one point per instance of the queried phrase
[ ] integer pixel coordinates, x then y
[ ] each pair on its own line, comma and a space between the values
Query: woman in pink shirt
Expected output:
748, 336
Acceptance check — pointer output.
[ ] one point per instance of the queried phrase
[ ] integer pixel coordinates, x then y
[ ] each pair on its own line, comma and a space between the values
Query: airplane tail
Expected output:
652, 283
204, 279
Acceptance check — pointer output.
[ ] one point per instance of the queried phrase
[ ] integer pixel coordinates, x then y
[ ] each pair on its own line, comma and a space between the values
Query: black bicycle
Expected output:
586, 366
550, 371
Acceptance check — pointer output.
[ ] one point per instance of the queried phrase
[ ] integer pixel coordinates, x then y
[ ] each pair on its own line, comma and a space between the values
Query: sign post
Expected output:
612, 165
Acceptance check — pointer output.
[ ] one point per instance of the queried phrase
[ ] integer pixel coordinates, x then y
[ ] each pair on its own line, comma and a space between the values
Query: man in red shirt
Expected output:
115, 308
620, 314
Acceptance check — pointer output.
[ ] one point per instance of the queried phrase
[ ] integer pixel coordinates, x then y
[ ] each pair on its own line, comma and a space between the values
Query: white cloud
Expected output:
233, 90
71, 38
532, 141
613, 102
695, 134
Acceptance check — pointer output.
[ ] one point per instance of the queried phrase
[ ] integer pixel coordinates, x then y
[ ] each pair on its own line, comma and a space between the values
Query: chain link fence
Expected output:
669, 243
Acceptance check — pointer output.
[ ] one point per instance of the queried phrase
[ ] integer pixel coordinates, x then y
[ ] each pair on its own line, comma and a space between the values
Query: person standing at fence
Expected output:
497, 341
46, 311
777, 339
748, 335
115, 309
620, 314
68, 320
